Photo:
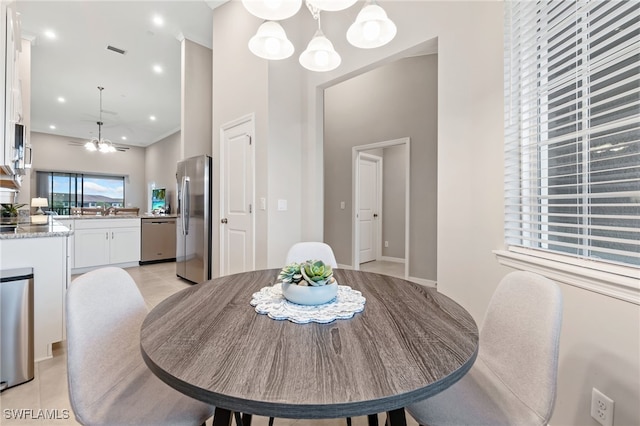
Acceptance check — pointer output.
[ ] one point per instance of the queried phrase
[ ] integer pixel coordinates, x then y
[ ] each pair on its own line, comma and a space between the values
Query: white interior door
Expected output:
236, 198
368, 205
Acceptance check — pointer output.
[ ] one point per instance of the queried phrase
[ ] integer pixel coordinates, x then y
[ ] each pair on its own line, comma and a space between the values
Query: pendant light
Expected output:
372, 28
332, 5
272, 10
99, 144
320, 55
271, 42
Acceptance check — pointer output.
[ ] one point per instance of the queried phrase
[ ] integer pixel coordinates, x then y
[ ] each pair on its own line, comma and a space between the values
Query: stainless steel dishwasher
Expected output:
16, 319
158, 240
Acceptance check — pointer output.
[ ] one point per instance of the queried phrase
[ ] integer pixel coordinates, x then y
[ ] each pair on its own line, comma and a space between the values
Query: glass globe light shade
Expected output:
320, 55
270, 42
332, 5
272, 10
90, 146
372, 28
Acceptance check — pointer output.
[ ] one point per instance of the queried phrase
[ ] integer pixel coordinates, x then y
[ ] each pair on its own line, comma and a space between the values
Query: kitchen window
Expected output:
66, 190
572, 137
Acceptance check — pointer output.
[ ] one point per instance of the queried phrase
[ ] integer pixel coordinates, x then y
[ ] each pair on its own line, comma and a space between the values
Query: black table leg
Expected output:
372, 419
222, 417
396, 418
246, 419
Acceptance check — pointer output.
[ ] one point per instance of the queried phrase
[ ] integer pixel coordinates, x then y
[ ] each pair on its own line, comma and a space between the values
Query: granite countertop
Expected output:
34, 229
92, 216
115, 216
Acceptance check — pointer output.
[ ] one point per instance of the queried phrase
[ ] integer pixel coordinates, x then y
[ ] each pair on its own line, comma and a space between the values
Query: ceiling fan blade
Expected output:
106, 111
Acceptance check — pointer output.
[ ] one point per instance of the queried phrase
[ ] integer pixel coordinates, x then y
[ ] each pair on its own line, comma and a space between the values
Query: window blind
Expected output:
572, 128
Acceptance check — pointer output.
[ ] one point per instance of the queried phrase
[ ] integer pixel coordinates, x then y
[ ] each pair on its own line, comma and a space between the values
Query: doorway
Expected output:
369, 205
363, 168
237, 175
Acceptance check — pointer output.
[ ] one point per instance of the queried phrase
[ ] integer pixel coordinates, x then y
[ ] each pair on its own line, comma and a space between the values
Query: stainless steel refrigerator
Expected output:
193, 230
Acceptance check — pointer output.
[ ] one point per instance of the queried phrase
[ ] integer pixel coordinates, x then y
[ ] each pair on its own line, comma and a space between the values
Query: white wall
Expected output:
240, 87
196, 111
53, 153
283, 164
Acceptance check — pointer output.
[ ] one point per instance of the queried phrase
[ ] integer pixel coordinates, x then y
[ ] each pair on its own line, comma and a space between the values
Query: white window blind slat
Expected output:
572, 128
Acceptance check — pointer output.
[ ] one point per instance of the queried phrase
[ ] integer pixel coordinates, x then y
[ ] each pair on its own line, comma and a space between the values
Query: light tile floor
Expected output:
48, 390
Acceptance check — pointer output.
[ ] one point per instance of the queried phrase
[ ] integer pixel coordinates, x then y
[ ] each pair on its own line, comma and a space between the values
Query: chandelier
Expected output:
100, 144
371, 28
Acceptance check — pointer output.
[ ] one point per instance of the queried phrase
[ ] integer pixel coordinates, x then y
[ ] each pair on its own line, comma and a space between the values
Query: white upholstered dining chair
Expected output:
109, 383
513, 381
311, 250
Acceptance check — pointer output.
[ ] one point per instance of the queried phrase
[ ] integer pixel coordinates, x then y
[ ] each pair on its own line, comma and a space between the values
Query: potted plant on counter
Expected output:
308, 283
10, 212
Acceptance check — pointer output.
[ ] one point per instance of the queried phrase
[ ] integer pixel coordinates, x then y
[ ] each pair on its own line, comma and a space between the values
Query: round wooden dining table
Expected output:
410, 342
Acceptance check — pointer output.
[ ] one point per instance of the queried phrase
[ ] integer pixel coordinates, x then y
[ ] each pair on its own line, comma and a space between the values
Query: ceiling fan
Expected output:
100, 144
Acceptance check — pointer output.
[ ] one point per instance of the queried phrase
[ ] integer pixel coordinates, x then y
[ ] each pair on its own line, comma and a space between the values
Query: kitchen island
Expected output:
43, 247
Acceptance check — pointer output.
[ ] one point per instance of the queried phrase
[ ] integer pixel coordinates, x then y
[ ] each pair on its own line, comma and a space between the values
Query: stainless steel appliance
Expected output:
193, 230
16, 340
158, 241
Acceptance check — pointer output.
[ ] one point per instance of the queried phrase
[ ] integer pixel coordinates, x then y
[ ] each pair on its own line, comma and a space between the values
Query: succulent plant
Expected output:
291, 274
316, 273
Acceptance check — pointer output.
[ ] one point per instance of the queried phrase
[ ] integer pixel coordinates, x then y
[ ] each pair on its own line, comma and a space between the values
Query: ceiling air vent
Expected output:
117, 50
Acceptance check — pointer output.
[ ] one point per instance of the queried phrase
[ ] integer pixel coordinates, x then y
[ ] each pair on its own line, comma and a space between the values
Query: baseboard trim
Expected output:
341, 266
392, 259
424, 282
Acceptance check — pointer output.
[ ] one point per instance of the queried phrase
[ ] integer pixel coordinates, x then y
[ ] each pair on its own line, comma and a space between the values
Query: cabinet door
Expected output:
91, 247
125, 245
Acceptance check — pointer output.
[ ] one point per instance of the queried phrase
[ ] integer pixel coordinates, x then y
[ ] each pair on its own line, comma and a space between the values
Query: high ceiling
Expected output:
76, 61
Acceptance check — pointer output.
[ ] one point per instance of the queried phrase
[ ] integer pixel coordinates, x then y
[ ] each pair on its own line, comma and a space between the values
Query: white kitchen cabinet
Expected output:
10, 110
125, 244
93, 247
101, 242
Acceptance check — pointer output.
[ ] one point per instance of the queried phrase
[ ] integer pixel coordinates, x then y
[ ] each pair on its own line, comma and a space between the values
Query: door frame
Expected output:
377, 243
355, 232
249, 118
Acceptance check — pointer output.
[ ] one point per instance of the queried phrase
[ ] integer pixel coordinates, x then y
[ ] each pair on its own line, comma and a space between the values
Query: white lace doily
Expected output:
270, 301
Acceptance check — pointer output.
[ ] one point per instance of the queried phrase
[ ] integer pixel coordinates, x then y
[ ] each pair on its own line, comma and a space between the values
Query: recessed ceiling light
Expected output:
50, 34
61, 99
158, 20
52, 127
124, 138
152, 117
157, 69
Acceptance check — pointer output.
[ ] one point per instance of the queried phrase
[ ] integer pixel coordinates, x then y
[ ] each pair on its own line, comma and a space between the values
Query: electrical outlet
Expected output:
386, 243
601, 408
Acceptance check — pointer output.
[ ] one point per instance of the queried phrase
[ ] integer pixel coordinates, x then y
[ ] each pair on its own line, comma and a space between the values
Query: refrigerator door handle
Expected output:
186, 203
181, 205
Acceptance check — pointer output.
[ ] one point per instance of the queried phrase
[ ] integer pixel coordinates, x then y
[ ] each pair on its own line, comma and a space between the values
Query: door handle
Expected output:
375, 215
224, 221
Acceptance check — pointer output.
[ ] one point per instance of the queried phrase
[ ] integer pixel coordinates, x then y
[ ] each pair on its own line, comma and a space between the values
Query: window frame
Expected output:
616, 280
77, 198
